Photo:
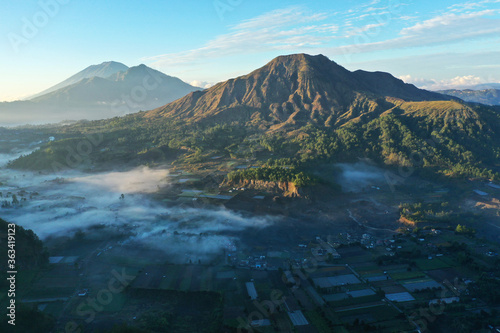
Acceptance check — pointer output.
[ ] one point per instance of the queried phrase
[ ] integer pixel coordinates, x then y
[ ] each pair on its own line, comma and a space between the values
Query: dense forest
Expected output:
30, 255
274, 174
449, 147
30, 251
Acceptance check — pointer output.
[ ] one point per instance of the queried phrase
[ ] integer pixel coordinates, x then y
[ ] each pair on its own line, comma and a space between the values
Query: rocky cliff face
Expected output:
294, 90
285, 189
407, 222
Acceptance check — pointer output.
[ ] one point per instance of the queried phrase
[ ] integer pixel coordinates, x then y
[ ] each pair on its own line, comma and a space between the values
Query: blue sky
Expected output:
434, 44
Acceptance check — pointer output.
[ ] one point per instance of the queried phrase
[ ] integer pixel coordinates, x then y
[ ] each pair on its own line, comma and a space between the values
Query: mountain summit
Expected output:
137, 88
295, 89
100, 91
102, 70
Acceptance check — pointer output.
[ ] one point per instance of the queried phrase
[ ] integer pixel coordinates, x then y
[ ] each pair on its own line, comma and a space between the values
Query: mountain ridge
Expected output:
296, 88
303, 110
95, 97
483, 96
102, 70
109, 89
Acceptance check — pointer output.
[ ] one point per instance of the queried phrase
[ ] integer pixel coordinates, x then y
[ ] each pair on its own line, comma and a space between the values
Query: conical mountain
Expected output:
296, 89
363, 114
137, 88
102, 70
159, 87
97, 95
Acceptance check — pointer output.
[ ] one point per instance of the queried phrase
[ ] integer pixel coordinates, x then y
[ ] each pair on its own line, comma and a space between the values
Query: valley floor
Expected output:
187, 257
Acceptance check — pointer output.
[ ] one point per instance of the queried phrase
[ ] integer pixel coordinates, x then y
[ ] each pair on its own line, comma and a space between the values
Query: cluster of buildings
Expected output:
254, 262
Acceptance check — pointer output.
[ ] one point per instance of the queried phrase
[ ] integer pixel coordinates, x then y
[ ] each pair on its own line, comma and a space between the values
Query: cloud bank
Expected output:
56, 207
458, 82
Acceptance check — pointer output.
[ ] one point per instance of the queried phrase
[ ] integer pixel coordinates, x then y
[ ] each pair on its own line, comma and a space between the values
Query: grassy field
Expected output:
116, 304
353, 260
232, 299
198, 278
25, 277
50, 293
355, 301
384, 317
190, 278
429, 264
185, 279
127, 261
175, 311
381, 313
449, 260
395, 325
171, 278
368, 270
263, 288
318, 321
206, 279
358, 286
406, 275
54, 308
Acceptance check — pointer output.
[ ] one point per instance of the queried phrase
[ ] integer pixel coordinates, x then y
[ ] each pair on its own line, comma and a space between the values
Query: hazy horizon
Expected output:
448, 44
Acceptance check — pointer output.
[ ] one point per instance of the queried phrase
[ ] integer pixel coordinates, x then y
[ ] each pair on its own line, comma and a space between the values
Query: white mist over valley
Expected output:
58, 205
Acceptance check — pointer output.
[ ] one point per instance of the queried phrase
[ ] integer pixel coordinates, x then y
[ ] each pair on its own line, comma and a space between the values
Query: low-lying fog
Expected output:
356, 177
60, 205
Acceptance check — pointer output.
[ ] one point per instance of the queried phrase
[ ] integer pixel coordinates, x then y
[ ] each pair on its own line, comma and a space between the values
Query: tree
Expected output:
462, 229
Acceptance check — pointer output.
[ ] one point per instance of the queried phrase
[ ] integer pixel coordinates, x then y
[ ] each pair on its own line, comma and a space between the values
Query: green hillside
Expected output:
298, 110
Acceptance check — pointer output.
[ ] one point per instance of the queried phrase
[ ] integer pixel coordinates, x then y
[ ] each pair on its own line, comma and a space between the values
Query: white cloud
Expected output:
281, 29
458, 82
467, 6
446, 21
140, 180
279, 18
408, 18
364, 28
367, 10
442, 29
201, 84
369, 29
463, 81
376, 9
419, 82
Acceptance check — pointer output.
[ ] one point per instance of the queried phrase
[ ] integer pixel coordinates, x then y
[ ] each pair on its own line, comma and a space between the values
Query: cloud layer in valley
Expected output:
60, 206
356, 177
